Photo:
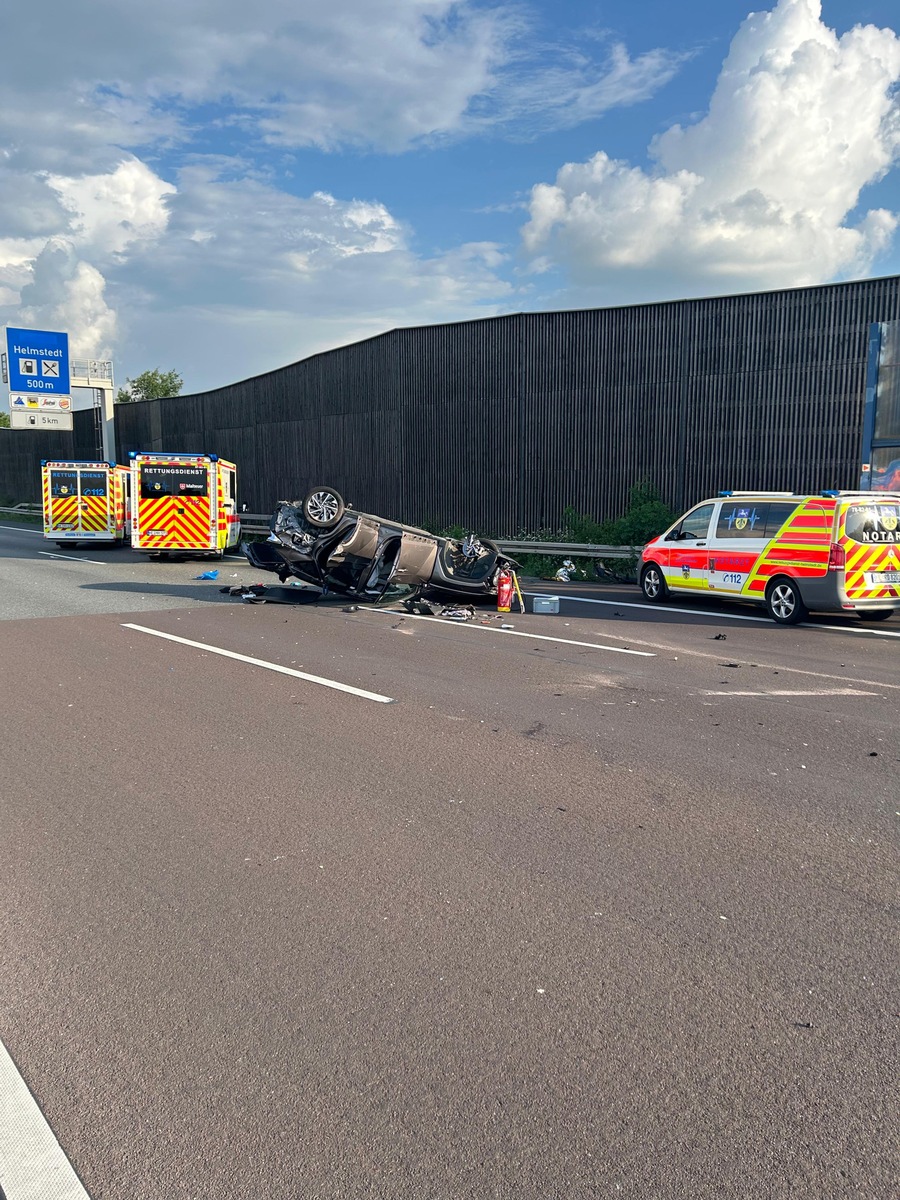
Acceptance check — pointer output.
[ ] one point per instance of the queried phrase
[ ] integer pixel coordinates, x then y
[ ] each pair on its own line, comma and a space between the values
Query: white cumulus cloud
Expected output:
133, 101
763, 191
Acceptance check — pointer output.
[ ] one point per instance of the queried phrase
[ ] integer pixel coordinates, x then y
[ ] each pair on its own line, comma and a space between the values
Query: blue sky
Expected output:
222, 188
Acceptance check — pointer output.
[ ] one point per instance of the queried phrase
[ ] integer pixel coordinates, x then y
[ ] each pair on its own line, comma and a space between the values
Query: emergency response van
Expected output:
832, 552
86, 501
183, 503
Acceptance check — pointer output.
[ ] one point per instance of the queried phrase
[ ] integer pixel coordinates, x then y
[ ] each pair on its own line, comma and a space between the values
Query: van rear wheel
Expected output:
875, 614
784, 603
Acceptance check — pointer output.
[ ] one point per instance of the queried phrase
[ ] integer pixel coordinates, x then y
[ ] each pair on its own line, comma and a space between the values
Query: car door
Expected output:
736, 542
687, 568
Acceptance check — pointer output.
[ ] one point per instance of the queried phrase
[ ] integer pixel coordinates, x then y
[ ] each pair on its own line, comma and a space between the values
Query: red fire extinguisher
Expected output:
504, 590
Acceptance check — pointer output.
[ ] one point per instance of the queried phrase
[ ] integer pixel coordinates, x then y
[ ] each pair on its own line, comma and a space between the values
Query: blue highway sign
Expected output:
38, 362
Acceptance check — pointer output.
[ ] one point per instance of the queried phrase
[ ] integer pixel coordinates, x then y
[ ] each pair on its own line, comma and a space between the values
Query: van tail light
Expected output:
837, 557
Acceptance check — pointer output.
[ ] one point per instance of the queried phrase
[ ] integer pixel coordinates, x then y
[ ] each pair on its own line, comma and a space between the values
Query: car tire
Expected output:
323, 507
653, 583
875, 614
784, 603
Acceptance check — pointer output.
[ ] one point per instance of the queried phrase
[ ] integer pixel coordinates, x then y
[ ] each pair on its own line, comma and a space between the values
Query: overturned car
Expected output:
325, 542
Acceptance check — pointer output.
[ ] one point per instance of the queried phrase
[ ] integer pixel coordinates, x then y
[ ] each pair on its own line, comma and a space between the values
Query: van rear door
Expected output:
869, 532
95, 503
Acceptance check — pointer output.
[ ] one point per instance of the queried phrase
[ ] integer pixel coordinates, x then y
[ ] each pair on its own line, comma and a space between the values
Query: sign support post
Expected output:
99, 377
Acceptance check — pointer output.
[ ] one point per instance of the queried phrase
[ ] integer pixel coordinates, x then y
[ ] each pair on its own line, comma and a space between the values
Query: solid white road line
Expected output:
32, 1163
259, 662
702, 612
784, 692
539, 637
71, 558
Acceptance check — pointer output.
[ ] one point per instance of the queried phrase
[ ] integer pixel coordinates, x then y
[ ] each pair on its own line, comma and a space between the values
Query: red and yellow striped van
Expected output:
831, 552
85, 501
183, 503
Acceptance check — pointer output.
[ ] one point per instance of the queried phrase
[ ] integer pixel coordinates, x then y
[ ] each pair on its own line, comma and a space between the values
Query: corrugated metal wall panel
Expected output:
499, 424
21, 452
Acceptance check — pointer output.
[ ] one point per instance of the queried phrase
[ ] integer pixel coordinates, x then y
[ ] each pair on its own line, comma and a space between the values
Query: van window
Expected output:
172, 481
93, 483
740, 519
778, 514
63, 483
873, 523
696, 523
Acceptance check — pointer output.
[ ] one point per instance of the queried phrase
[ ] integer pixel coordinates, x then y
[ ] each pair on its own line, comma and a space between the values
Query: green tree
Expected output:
4, 420
150, 385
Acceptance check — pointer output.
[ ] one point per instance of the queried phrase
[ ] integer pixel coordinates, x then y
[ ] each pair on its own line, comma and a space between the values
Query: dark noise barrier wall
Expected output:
21, 452
500, 423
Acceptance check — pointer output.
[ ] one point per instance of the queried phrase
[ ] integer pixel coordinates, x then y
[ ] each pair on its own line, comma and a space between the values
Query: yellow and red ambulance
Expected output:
831, 552
85, 501
183, 503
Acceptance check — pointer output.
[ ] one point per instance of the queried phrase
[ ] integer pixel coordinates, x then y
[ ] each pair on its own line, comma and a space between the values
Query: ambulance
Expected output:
791, 553
86, 501
183, 503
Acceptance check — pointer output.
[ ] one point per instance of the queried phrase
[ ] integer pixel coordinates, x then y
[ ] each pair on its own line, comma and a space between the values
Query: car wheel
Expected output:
784, 603
323, 507
875, 614
653, 583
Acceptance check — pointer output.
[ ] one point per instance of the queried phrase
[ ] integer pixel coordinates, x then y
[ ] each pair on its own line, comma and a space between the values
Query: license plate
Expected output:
880, 578
157, 532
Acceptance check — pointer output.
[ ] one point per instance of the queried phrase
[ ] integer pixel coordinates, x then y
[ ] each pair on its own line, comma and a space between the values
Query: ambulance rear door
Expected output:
228, 506
61, 515
96, 508
869, 531
176, 503
123, 502
77, 502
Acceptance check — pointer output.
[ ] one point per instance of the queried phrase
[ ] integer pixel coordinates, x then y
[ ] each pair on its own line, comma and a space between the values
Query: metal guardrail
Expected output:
570, 549
259, 523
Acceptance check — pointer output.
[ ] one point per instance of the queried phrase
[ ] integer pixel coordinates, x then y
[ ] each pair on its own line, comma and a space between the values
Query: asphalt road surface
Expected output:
369, 905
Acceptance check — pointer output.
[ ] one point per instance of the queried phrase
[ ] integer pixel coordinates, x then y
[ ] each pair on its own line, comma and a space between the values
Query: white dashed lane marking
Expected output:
723, 616
786, 692
539, 637
71, 558
268, 666
32, 1163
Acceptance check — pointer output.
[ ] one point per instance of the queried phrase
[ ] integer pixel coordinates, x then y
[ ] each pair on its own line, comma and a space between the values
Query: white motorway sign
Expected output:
27, 402
28, 419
